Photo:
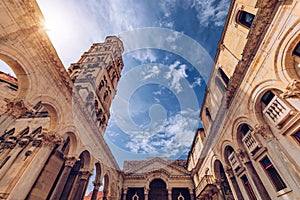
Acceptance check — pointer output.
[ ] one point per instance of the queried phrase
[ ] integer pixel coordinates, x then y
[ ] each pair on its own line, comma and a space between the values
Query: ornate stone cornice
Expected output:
17, 108
51, 139
259, 27
292, 90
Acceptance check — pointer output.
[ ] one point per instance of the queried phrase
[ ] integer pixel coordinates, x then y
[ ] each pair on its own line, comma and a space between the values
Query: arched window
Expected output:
180, 197
36, 131
245, 129
275, 109
296, 50
267, 97
135, 197
24, 131
245, 18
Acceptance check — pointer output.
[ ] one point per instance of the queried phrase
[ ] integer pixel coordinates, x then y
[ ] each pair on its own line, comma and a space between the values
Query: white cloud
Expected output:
175, 137
144, 56
197, 82
154, 71
209, 11
176, 73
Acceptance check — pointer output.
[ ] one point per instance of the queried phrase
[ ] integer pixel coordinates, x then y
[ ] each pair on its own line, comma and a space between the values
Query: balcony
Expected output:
207, 183
251, 143
277, 111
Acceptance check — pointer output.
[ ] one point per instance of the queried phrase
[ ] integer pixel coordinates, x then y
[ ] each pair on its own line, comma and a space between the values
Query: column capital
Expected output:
243, 156
17, 107
84, 174
229, 171
262, 129
51, 138
70, 161
97, 184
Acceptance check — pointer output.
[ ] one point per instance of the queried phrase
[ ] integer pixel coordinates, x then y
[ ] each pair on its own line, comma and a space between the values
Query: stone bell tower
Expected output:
96, 75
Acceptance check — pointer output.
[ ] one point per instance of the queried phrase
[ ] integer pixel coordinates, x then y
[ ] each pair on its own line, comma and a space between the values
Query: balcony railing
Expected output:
206, 180
277, 111
251, 143
234, 161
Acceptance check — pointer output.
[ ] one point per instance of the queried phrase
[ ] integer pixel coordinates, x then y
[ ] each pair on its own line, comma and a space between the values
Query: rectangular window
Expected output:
246, 18
248, 187
272, 174
297, 136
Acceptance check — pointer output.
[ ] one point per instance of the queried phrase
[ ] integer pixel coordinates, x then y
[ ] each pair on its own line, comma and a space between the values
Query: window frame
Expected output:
240, 18
267, 169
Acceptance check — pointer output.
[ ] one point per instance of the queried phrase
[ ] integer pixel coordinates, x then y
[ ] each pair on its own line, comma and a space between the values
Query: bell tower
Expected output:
96, 75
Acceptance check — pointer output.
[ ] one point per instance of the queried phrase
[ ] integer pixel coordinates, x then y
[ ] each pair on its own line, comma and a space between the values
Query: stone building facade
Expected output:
157, 178
52, 121
250, 142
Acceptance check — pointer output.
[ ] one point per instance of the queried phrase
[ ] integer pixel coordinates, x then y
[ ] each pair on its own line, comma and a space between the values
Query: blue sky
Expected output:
169, 51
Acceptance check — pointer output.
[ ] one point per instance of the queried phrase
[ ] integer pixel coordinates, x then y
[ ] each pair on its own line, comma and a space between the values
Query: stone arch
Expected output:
158, 189
86, 159
225, 144
160, 175
98, 172
22, 75
236, 130
284, 61
54, 109
73, 142
256, 95
220, 176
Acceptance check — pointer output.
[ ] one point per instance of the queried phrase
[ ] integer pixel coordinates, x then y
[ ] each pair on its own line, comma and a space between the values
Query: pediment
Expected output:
154, 165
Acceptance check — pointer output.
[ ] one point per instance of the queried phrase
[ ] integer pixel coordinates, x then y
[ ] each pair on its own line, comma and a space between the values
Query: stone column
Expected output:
219, 187
146, 192
69, 163
170, 194
95, 190
234, 183
105, 194
253, 174
124, 193
84, 177
29, 176
191, 194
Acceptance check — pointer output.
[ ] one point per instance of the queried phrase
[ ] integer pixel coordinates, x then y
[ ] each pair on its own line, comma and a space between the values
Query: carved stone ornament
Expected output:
17, 108
70, 161
292, 90
85, 175
243, 156
229, 171
262, 130
51, 139
97, 185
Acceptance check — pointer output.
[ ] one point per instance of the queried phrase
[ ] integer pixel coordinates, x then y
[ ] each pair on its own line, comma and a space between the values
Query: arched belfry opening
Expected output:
158, 190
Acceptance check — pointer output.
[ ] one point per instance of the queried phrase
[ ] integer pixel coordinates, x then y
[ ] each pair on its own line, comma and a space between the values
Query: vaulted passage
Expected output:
158, 190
